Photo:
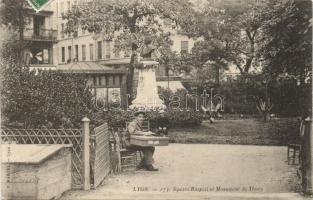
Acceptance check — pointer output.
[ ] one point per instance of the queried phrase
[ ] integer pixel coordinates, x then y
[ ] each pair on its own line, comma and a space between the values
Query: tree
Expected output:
132, 23
208, 59
14, 15
230, 33
287, 47
288, 38
168, 59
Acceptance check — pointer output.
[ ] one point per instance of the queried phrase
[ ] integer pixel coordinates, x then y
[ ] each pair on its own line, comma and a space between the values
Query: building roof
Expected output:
126, 61
89, 67
173, 85
118, 61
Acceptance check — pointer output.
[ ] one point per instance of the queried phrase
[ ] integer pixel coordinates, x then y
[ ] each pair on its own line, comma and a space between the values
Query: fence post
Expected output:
307, 162
86, 154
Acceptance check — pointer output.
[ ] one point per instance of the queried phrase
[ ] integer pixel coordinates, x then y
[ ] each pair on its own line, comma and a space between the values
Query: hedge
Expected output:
177, 118
48, 99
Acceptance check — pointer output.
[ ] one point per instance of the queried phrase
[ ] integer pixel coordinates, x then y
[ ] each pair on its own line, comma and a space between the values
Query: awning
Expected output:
117, 61
89, 67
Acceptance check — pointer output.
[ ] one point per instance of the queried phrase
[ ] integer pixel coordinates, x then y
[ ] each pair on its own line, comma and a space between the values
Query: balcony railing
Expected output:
41, 35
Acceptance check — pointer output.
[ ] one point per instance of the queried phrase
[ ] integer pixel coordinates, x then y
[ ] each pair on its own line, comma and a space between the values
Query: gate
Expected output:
100, 154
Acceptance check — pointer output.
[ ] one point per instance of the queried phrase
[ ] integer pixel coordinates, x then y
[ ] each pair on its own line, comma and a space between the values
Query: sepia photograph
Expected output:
156, 99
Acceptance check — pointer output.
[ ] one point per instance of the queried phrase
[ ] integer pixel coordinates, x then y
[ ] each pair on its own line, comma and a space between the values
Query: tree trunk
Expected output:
251, 55
131, 69
217, 75
21, 33
265, 116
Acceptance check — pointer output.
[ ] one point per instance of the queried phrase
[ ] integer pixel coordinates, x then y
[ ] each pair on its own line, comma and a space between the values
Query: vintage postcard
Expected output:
156, 99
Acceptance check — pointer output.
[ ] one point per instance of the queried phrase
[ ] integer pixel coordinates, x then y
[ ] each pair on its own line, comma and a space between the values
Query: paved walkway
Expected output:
193, 171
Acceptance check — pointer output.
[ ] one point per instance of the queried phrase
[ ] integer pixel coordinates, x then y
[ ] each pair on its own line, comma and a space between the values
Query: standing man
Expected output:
135, 128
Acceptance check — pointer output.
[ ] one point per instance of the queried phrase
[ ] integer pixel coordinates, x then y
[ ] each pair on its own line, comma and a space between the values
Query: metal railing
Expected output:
40, 34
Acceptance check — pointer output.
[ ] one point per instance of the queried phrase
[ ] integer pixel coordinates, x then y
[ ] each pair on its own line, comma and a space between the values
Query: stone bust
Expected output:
147, 49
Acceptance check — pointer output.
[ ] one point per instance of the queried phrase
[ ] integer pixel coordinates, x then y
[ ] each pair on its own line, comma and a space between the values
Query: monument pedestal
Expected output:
147, 91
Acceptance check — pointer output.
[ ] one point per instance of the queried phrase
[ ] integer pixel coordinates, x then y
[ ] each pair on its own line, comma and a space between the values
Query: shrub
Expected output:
184, 118
118, 118
181, 99
47, 99
288, 98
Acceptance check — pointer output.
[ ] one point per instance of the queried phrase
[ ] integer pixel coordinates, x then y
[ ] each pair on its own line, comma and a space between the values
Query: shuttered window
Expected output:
184, 47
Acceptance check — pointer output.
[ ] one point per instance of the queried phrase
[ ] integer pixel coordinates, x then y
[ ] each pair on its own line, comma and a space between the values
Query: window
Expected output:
99, 50
101, 97
83, 31
116, 52
108, 49
83, 52
69, 48
99, 78
91, 51
38, 24
62, 30
114, 97
68, 5
184, 47
103, 80
45, 55
63, 55
76, 52
62, 8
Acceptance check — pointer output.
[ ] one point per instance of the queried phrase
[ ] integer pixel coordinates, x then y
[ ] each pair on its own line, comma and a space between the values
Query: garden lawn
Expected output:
280, 131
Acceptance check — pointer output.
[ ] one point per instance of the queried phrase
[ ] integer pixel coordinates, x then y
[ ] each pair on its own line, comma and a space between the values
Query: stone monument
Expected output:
147, 91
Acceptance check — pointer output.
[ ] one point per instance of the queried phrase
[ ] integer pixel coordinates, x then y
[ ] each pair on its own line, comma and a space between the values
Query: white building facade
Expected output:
84, 47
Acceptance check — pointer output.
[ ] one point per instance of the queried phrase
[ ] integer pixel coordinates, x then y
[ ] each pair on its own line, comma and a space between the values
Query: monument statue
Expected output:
147, 50
147, 90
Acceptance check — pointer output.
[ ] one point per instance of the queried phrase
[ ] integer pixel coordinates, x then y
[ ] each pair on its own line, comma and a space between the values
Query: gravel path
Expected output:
205, 169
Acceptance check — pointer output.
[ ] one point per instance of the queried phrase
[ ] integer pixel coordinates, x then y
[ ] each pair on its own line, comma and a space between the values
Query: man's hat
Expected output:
136, 113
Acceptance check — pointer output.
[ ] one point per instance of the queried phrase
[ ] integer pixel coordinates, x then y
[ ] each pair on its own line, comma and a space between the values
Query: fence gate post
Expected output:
307, 181
86, 154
